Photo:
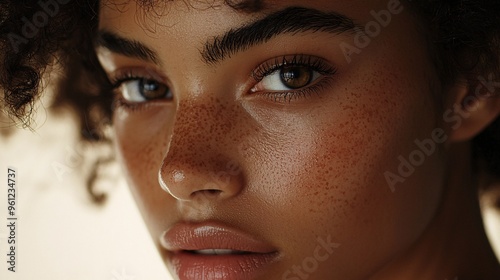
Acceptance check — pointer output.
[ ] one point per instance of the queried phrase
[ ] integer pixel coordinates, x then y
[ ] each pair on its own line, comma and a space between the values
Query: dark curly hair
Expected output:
463, 35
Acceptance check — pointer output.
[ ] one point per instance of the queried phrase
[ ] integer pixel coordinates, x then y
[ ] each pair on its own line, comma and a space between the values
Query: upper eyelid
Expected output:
275, 63
132, 73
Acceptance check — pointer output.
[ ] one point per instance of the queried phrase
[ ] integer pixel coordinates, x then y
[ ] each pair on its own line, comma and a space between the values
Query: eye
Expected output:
288, 78
137, 90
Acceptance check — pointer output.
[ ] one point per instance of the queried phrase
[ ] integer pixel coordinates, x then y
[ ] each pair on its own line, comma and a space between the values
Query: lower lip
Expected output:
229, 267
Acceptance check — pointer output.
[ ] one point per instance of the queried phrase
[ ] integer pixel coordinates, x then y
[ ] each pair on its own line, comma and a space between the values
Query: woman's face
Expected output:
270, 134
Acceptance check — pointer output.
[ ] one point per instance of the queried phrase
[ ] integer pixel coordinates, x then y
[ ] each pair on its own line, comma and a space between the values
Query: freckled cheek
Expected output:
332, 165
317, 166
141, 139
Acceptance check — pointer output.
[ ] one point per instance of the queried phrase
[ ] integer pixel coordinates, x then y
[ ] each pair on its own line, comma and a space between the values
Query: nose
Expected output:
201, 160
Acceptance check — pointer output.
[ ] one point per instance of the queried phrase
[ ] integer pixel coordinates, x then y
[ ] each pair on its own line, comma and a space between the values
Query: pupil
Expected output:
295, 77
151, 89
148, 85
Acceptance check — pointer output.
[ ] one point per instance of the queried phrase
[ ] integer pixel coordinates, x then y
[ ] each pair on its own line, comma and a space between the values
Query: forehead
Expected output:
242, 6
152, 5
168, 12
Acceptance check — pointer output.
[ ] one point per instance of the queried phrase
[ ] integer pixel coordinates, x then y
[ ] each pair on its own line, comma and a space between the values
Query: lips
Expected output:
213, 251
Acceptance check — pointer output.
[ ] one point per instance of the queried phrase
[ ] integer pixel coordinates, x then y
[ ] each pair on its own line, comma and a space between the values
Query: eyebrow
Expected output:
124, 46
290, 20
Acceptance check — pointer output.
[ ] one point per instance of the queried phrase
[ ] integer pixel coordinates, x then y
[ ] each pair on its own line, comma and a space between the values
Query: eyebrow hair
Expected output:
290, 20
124, 46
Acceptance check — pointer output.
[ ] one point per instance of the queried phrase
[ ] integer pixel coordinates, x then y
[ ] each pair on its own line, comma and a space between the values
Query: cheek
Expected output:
324, 176
141, 140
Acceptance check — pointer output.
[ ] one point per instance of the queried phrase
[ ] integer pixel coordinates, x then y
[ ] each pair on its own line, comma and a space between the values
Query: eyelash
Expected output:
314, 63
267, 68
118, 80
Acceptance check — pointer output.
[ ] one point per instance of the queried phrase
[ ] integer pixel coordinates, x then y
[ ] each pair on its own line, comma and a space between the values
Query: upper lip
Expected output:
211, 235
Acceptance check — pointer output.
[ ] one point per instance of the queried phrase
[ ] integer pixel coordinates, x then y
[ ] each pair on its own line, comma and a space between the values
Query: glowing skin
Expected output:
292, 172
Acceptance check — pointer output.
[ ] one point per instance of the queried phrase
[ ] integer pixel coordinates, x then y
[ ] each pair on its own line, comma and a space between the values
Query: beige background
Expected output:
61, 234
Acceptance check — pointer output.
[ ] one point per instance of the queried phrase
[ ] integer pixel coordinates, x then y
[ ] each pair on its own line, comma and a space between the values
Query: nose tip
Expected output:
189, 183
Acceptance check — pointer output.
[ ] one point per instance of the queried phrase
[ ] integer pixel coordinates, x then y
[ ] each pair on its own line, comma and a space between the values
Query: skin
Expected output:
292, 172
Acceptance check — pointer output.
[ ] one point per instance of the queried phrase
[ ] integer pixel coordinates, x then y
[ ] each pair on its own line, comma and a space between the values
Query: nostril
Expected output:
208, 194
213, 192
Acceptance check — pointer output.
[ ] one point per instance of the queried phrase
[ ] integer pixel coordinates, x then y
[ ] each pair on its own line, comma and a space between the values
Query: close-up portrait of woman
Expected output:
262, 139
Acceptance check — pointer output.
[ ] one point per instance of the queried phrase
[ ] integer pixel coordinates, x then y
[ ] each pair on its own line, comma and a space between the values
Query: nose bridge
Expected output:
199, 150
199, 128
